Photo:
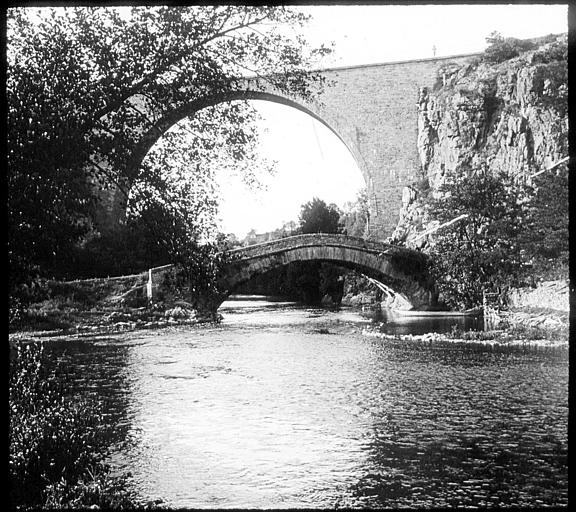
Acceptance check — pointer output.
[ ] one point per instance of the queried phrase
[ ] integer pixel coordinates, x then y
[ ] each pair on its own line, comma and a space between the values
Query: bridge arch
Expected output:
373, 108
402, 270
190, 108
173, 116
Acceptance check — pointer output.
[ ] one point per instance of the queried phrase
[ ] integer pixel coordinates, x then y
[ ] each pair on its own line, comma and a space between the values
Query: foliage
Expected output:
86, 89
482, 251
97, 489
178, 174
56, 440
130, 249
356, 216
196, 279
555, 51
545, 236
25, 285
318, 217
512, 332
504, 48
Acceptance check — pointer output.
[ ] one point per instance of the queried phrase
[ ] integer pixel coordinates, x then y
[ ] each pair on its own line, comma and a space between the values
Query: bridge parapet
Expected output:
317, 239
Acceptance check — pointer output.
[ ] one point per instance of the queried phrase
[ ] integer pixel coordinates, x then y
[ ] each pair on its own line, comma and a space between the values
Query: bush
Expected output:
25, 286
504, 48
545, 237
57, 442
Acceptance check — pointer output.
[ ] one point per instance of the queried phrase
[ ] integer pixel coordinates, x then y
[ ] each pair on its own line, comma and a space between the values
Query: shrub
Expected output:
504, 48
56, 441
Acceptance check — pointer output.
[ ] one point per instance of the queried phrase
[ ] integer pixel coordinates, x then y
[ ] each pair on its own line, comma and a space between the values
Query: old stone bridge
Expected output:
401, 271
371, 108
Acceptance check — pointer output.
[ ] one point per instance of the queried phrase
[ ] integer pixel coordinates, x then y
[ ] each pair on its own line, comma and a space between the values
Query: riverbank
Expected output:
536, 326
100, 307
531, 325
51, 323
511, 337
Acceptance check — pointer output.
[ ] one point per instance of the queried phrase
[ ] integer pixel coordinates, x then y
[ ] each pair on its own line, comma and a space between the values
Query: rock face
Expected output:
511, 116
548, 294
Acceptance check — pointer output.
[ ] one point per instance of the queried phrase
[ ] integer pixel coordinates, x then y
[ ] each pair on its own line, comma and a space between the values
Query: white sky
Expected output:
312, 161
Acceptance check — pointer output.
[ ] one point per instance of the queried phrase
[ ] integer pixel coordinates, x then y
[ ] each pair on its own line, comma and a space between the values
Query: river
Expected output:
285, 406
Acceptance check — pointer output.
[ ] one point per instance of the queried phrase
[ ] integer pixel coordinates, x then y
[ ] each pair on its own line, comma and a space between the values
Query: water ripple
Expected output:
250, 415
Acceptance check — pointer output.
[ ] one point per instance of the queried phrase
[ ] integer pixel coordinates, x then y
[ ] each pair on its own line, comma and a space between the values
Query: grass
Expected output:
512, 332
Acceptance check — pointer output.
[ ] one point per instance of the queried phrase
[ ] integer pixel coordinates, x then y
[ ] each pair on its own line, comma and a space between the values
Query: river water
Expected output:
284, 406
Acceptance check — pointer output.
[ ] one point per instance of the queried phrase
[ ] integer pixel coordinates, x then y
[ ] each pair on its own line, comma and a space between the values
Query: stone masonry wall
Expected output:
374, 110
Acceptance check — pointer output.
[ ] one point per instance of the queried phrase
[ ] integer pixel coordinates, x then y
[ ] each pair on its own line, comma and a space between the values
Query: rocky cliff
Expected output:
511, 116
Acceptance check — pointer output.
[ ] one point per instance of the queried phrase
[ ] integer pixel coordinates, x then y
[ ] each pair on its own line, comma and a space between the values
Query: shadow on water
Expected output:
392, 323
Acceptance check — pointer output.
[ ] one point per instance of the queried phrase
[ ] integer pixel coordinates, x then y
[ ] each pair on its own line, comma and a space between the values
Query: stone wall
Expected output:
374, 109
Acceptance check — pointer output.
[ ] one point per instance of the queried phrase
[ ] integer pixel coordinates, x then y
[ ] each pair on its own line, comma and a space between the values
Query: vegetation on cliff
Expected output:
482, 252
501, 118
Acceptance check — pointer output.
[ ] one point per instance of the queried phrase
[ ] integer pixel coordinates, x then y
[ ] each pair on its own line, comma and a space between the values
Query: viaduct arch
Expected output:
371, 108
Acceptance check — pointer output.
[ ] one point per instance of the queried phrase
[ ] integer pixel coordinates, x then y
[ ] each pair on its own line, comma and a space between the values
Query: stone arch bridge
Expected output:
371, 108
401, 271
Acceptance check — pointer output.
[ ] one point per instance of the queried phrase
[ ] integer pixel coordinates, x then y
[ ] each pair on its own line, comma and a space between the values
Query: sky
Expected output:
322, 166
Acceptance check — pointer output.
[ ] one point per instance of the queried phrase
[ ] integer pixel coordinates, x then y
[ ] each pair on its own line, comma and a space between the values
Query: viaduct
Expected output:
371, 108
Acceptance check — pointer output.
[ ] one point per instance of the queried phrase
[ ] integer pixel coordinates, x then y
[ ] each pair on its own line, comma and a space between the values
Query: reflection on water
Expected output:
285, 406
392, 322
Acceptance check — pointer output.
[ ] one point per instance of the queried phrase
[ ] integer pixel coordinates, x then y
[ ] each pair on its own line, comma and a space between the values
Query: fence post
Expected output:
149, 286
491, 310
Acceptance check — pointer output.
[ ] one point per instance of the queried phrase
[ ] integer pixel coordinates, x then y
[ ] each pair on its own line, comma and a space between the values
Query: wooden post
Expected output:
149, 286
491, 310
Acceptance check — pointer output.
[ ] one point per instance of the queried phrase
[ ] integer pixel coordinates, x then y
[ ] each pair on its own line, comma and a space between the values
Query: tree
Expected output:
504, 48
77, 80
544, 237
318, 217
483, 251
356, 216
